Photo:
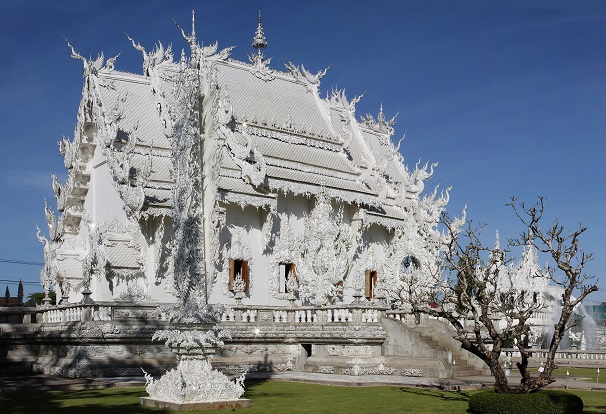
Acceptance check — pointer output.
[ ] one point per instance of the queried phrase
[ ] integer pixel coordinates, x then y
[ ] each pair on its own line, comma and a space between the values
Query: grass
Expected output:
267, 398
585, 374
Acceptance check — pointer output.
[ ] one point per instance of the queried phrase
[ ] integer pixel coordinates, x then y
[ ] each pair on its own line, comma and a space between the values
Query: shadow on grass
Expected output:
439, 394
114, 401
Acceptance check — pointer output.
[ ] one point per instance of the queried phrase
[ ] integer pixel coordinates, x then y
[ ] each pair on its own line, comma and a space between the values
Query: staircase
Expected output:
461, 367
427, 347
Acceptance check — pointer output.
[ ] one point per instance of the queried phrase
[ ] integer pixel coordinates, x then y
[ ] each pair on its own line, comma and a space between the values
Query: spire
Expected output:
259, 41
20, 291
193, 24
191, 38
497, 243
381, 116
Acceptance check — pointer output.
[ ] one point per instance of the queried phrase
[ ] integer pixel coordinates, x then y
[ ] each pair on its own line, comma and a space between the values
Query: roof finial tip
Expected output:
259, 41
193, 23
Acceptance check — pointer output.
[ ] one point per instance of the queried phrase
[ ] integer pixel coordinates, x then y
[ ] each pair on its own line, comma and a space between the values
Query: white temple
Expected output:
210, 180
228, 181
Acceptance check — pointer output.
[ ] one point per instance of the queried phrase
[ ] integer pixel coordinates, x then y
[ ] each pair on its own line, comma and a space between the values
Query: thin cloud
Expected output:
29, 179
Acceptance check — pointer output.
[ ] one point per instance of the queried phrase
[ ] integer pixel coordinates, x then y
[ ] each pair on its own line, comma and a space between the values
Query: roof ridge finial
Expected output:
381, 116
259, 41
191, 38
193, 23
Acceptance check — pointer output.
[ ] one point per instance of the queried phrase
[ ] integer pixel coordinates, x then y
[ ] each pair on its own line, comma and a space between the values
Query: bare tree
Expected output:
489, 300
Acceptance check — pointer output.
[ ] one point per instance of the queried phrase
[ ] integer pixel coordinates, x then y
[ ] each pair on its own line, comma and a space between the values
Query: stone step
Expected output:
466, 370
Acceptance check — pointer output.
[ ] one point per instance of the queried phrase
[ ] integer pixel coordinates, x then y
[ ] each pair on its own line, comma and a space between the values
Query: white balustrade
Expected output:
104, 314
249, 315
228, 316
560, 354
280, 316
370, 315
339, 315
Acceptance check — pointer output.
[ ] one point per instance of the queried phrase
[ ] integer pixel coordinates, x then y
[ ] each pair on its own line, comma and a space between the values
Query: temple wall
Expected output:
248, 222
245, 223
103, 203
374, 238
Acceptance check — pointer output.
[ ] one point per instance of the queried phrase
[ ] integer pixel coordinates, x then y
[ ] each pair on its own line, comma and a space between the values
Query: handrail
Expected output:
358, 313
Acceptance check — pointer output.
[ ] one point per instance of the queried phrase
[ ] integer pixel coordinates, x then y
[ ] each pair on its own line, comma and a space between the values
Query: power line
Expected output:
17, 282
22, 262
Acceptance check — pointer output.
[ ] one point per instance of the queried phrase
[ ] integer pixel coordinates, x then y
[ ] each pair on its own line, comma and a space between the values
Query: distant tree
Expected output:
7, 296
20, 292
37, 297
480, 299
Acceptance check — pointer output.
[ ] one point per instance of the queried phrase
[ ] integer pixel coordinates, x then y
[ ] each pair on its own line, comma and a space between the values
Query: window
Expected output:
371, 282
238, 269
411, 262
288, 278
339, 288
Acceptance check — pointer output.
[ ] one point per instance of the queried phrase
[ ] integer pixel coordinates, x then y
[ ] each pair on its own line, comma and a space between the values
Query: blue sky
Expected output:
509, 100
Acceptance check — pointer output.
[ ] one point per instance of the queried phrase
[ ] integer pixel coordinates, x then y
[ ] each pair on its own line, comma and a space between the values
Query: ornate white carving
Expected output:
59, 193
411, 372
284, 367
348, 350
413, 254
261, 66
187, 206
378, 370
238, 250
217, 222
194, 380
91, 67
367, 260
318, 140
380, 125
325, 253
312, 82
66, 149
359, 370
244, 154
130, 181
193, 342
244, 200
95, 261
268, 224
134, 293
164, 261
153, 58
338, 99
286, 250
49, 274
326, 369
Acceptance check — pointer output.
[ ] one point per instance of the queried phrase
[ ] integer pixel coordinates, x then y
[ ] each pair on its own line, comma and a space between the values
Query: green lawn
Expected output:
585, 374
267, 398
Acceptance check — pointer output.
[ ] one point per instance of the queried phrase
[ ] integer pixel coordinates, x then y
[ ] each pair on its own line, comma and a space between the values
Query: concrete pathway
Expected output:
45, 382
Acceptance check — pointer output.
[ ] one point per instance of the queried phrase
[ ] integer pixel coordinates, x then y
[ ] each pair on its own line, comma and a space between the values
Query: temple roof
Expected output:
305, 142
280, 102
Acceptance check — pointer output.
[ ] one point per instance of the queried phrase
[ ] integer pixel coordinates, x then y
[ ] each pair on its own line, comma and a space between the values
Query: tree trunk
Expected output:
500, 380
